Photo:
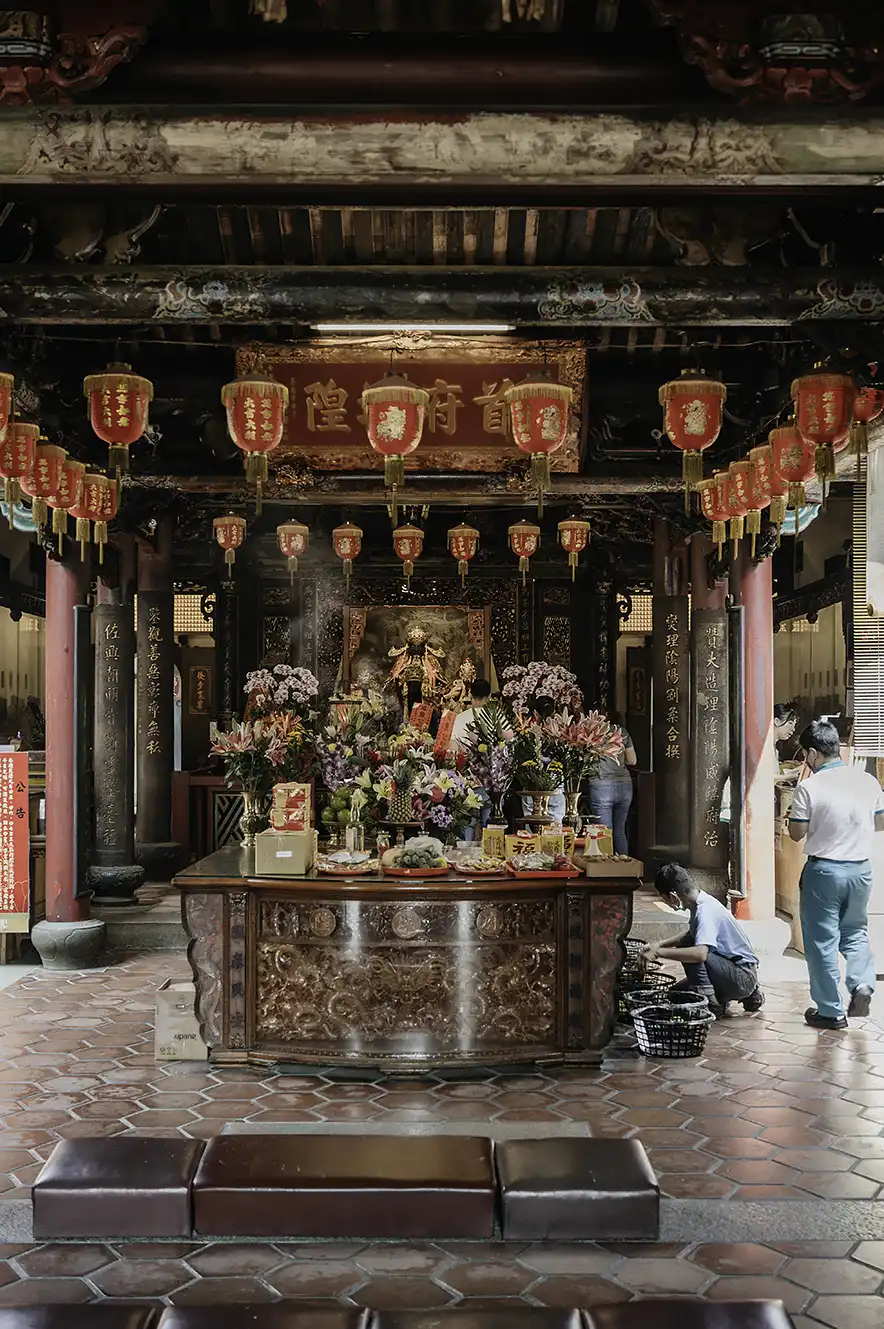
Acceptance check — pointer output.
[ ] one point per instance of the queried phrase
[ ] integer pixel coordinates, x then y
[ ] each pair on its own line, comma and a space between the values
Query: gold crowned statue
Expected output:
460, 695
416, 674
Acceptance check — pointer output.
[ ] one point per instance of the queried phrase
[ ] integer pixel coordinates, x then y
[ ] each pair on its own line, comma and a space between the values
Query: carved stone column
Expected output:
155, 849
114, 872
671, 669
710, 722
226, 632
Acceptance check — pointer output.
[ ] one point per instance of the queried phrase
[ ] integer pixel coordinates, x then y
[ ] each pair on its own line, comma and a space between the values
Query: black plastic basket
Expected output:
651, 975
665, 1031
647, 994
688, 1000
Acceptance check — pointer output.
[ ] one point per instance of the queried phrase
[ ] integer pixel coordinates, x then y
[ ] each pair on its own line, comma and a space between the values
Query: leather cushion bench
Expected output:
124, 1186
689, 1313
345, 1186
483, 1317
101, 1315
275, 1315
582, 1190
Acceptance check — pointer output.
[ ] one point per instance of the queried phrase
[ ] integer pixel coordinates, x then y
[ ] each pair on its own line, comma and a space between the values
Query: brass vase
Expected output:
254, 816
539, 803
572, 815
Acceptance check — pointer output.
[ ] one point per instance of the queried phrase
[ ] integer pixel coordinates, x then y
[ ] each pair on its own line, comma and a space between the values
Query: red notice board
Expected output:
15, 891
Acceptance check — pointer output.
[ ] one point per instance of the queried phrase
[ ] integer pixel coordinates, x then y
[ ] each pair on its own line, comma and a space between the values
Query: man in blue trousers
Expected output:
835, 811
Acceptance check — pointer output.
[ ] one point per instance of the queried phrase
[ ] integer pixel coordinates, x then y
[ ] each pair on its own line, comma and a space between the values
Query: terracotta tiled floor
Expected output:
773, 1111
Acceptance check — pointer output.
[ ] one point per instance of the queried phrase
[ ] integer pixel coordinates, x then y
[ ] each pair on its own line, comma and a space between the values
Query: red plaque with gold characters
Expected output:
15, 887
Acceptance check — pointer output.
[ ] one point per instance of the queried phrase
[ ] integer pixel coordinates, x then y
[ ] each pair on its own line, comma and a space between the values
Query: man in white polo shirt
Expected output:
836, 811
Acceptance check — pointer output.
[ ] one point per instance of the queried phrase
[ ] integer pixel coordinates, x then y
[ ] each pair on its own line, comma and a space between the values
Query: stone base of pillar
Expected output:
70, 945
119, 882
714, 881
659, 854
160, 861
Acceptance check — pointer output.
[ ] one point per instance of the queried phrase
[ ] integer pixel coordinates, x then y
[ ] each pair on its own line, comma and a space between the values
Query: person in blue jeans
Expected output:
835, 812
610, 793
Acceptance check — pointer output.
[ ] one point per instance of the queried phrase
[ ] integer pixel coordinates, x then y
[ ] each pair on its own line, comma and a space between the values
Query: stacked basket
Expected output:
667, 1024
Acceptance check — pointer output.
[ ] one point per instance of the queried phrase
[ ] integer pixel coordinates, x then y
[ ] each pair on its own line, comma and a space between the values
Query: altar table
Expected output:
402, 974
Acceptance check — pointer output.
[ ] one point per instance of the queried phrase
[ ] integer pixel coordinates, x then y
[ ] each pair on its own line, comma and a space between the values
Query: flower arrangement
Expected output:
282, 688
253, 753
490, 748
577, 744
438, 798
526, 686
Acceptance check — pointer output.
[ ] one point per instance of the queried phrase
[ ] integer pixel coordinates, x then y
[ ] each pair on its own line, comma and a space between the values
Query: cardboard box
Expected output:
290, 819
613, 867
177, 1031
292, 795
284, 853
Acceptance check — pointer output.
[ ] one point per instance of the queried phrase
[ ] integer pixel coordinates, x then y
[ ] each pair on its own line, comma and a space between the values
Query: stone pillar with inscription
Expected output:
114, 872
225, 626
671, 670
710, 723
155, 716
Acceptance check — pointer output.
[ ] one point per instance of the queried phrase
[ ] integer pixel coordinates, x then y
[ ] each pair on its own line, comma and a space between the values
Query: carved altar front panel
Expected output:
407, 977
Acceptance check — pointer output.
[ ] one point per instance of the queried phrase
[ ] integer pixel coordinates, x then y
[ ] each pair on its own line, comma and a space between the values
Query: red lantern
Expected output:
692, 412
539, 418
118, 405
89, 506
256, 408
108, 513
824, 411
738, 500
573, 537
347, 542
408, 542
524, 541
394, 410
230, 531
793, 460
463, 541
7, 391
43, 480
68, 493
867, 406
766, 480
713, 503
293, 537
16, 458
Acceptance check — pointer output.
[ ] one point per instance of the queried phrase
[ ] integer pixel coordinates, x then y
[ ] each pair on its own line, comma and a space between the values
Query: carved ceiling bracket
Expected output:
768, 51
39, 67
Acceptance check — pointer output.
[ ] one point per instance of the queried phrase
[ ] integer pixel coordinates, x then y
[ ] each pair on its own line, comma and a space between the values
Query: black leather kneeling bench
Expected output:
410, 1187
101, 1315
577, 1190
689, 1313
124, 1186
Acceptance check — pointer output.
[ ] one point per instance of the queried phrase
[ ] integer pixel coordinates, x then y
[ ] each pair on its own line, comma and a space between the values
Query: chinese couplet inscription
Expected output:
671, 717
14, 843
709, 840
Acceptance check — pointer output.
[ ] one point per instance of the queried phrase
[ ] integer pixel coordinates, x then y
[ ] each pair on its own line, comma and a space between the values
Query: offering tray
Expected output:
417, 872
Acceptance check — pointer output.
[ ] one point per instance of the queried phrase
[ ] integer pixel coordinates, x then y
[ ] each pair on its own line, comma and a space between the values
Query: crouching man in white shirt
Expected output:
717, 955
835, 812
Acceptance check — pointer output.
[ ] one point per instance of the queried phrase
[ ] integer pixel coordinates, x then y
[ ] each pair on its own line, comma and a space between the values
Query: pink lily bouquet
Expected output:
254, 752
578, 743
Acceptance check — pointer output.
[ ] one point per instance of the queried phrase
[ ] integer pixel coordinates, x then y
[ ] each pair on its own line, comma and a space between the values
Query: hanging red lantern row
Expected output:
43, 480
347, 543
69, 492
408, 542
867, 406
793, 461
759, 497
395, 410
524, 539
823, 415
108, 512
574, 537
463, 541
714, 508
539, 419
7, 399
119, 402
693, 406
738, 501
230, 531
256, 407
293, 538
17, 449
767, 480
88, 507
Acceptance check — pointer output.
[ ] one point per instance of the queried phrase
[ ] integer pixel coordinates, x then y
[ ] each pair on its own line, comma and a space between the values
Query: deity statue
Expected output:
416, 674
460, 695
362, 697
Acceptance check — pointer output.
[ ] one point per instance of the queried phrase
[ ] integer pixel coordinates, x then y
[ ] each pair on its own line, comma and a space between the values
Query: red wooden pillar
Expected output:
63, 592
755, 584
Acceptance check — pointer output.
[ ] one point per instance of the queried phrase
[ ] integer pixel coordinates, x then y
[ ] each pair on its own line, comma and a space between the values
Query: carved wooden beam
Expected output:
422, 151
546, 297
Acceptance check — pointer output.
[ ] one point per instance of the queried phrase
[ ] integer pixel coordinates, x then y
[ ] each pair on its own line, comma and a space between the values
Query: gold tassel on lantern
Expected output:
738, 530
257, 472
778, 510
824, 465
797, 496
540, 474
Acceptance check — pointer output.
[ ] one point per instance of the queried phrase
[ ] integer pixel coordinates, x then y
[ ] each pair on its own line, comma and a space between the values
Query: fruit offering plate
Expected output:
417, 872
528, 867
481, 867
330, 867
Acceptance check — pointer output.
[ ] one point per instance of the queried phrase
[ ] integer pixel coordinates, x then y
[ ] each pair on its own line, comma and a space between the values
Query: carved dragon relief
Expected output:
38, 69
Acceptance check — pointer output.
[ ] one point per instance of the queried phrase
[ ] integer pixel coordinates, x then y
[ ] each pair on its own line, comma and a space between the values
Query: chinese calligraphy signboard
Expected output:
199, 693
709, 837
467, 426
113, 631
15, 893
671, 715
